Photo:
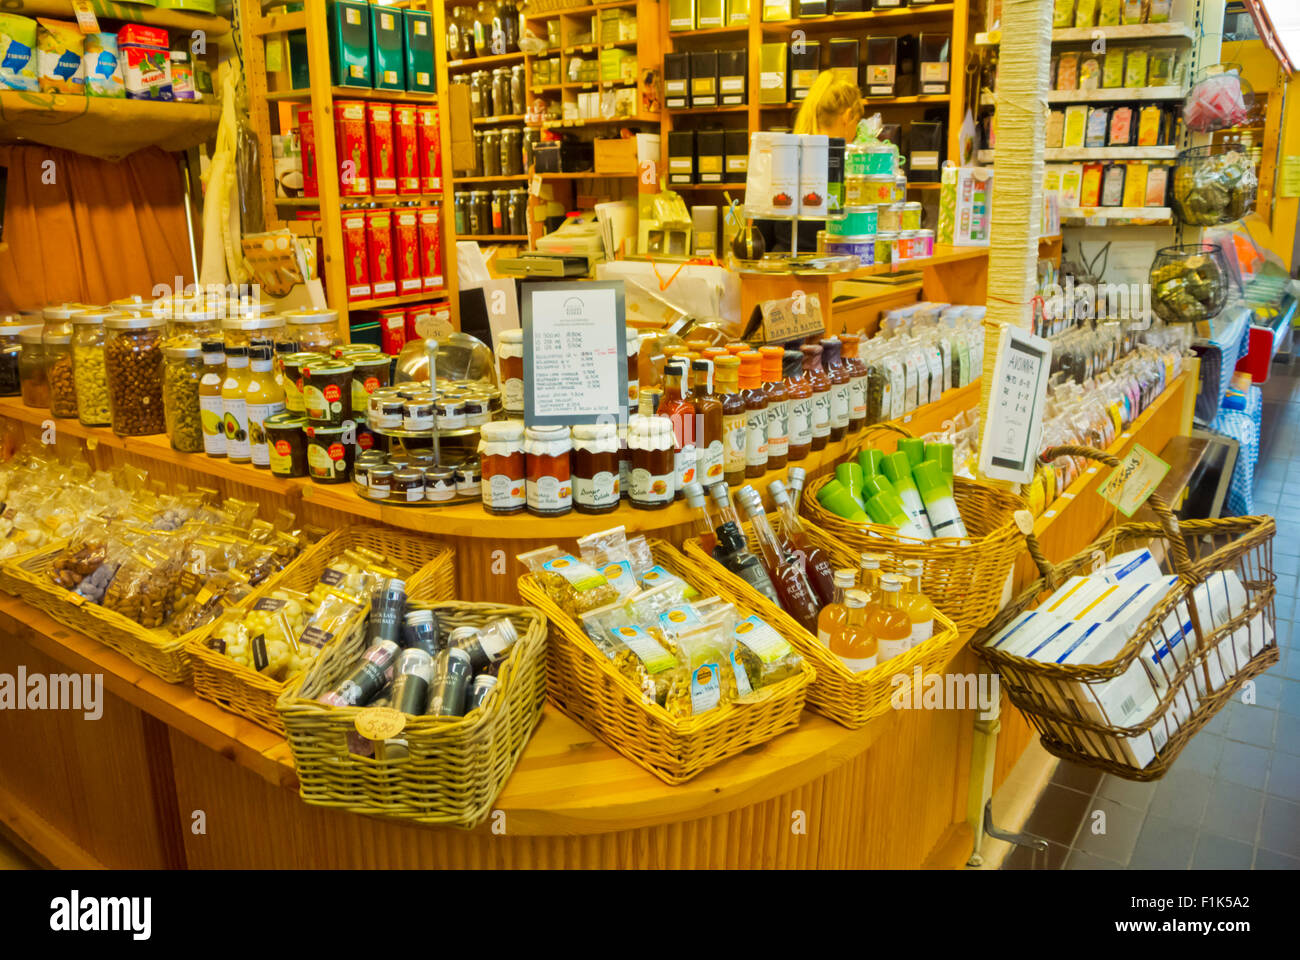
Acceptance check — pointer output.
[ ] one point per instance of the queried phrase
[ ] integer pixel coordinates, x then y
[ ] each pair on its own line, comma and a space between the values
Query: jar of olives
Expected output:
31, 369
315, 331
182, 371
134, 363
89, 376
58, 372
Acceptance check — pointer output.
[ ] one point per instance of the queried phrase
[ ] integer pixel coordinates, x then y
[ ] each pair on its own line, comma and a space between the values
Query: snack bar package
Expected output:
17, 53
59, 49
101, 66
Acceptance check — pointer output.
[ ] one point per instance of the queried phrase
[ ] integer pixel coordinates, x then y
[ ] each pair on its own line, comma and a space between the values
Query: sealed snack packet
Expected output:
638, 652
59, 52
707, 680
101, 66
764, 654
608, 552
574, 585
17, 53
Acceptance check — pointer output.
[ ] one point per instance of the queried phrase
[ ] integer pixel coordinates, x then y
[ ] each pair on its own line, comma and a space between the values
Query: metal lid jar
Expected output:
595, 468
241, 331
134, 364
313, 330
182, 371
31, 368
58, 370
10, 353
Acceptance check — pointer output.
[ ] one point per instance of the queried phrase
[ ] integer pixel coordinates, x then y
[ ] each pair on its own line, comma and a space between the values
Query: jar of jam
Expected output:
385, 411
501, 456
467, 479
293, 364
451, 414
408, 485
379, 481
417, 414
439, 484
329, 458
633, 367
652, 442
361, 467
549, 486
595, 468
286, 444
510, 371
327, 392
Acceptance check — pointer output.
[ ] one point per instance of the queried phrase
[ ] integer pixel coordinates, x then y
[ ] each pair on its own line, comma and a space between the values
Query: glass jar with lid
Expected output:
316, 331
89, 376
58, 370
31, 368
549, 488
501, 456
195, 322
510, 370
653, 480
132, 304
595, 467
10, 352
182, 371
240, 331
134, 363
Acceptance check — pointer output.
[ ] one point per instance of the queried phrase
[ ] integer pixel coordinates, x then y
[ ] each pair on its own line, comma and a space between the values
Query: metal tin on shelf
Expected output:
864, 247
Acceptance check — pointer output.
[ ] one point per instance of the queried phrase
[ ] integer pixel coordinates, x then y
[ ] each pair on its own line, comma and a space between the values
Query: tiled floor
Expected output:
1232, 799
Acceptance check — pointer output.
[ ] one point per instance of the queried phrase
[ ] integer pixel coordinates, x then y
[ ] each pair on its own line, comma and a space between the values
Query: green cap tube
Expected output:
850, 474
836, 498
874, 485
899, 471
914, 447
887, 509
941, 452
930, 482
869, 461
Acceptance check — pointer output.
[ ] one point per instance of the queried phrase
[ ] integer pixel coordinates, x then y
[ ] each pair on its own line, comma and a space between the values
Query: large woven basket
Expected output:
456, 767
848, 698
1197, 549
250, 694
964, 580
585, 684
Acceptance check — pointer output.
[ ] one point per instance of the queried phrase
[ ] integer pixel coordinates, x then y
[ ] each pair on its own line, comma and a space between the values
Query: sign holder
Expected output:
1013, 430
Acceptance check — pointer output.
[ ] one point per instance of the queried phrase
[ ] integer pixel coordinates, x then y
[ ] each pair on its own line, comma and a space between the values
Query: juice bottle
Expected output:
234, 411
786, 571
916, 604
751, 389
853, 644
727, 374
833, 616
801, 412
887, 623
211, 414
821, 394
869, 570
839, 377
778, 408
681, 412
708, 425
263, 398
795, 539
700, 519
857, 369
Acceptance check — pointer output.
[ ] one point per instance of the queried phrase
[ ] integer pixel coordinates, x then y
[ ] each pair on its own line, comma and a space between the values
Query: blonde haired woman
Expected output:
833, 107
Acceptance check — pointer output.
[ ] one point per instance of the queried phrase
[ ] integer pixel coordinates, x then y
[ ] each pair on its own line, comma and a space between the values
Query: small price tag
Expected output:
1134, 480
380, 723
85, 14
76, 599
535, 185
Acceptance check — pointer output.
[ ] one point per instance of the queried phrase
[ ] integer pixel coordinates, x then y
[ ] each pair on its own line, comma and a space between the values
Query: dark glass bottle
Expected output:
839, 377
798, 598
732, 551
795, 540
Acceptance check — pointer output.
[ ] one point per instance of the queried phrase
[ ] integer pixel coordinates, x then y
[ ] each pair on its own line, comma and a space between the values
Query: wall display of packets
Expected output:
686, 653
920, 351
1117, 67
1108, 13
1133, 184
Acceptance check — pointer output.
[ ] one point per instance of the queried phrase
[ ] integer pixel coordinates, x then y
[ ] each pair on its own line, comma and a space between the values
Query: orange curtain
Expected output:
98, 232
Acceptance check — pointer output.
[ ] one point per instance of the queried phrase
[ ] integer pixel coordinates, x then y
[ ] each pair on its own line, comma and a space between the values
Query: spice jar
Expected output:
241, 329
651, 441
10, 354
315, 331
89, 376
549, 487
286, 443
134, 361
379, 481
510, 370
182, 371
595, 468
58, 372
501, 456
31, 369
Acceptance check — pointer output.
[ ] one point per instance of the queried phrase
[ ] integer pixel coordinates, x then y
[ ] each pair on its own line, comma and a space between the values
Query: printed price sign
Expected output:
1011, 438
1134, 480
379, 723
575, 361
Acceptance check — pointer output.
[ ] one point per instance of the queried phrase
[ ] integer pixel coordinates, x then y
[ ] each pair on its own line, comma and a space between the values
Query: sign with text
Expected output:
792, 318
1013, 432
1134, 480
575, 353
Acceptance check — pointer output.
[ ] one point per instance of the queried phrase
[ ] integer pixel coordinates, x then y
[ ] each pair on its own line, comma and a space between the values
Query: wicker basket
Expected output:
456, 767
848, 698
1190, 692
250, 694
585, 684
964, 580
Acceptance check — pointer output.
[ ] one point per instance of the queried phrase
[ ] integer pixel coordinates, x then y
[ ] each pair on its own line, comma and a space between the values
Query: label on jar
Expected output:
325, 461
259, 449
821, 414
650, 487
361, 391
710, 463
598, 491
684, 465
235, 423
502, 492
549, 493
801, 414
706, 688
733, 442
778, 429
324, 404
858, 398
840, 405
212, 416
280, 454
756, 438
512, 394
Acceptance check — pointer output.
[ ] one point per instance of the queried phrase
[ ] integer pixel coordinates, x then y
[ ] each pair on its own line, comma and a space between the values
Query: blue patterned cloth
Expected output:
1219, 356
1242, 426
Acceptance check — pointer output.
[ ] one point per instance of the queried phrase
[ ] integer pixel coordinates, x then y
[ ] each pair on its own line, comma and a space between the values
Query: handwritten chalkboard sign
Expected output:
575, 353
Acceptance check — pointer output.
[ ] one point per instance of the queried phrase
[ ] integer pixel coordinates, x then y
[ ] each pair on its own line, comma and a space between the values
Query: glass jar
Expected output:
31, 369
239, 331
512, 151
293, 364
501, 458
134, 363
549, 487
518, 208
10, 356
314, 331
58, 373
500, 92
327, 392
89, 376
595, 468
518, 91
510, 370
653, 480
480, 93
408, 485
193, 324
490, 160
439, 484
481, 213
182, 371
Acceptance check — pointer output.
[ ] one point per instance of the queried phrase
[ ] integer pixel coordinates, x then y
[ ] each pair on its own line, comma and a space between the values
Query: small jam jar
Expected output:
549, 487
510, 370
439, 484
467, 479
408, 485
654, 476
451, 414
501, 456
379, 481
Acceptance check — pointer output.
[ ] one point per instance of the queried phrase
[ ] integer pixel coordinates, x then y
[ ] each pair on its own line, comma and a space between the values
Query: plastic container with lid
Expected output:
241, 330
10, 355
182, 371
510, 370
549, 487
653, 479
504, 472
595, 468
89, 375
194, 323
58, 371
134, 363
31, 368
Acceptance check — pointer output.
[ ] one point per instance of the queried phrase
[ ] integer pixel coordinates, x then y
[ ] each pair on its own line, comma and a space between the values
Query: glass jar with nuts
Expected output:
182, 371
89, 376
58, 373
134, 363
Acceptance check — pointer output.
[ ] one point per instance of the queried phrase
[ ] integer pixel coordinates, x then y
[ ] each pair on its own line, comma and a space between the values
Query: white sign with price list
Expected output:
575, 353
1013, 431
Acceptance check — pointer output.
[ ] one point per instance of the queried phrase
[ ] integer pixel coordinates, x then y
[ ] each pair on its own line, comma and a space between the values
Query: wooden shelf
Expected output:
1101, 216
104, 127
596, 47
494, 238
313, 202
511, 178
1131, 31
1109, 94
586, 175
490, 121
280, 23
303, 94
843, 21
872, 101
1057, 154
597, 121
577, 11
181, 21
735, 31
687, 111
379, 303
706, 186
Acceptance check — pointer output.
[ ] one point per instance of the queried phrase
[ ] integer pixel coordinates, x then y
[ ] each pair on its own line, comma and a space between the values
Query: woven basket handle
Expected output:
887, 427
1168, 522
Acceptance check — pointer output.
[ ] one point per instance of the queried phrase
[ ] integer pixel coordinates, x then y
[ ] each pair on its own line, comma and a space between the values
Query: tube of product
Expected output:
836, 498
887, 510
386, 610
875, 484
899, 471
869, 461
940, 507
942, 453
850, 474
412, 672
914, 447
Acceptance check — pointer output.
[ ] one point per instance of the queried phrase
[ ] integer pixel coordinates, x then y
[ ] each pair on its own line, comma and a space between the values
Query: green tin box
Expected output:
350, 62
387, 48
419, 50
